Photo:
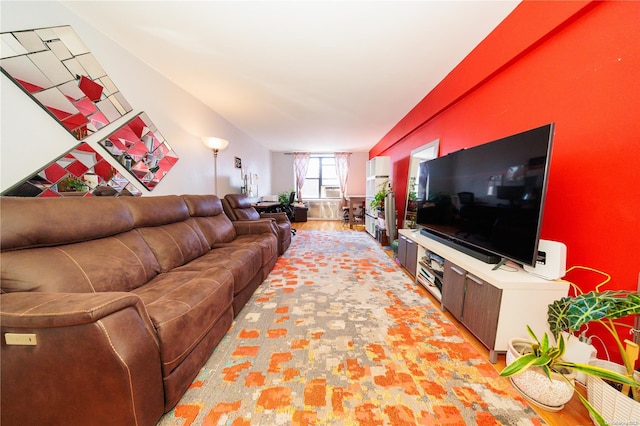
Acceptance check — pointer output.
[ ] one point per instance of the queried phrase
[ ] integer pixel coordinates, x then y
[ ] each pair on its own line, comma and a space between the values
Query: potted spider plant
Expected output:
549, 385
569, 314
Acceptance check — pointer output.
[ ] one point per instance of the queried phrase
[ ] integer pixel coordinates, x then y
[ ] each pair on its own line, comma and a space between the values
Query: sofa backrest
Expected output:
208, 213
238, 207
166, 226
41, 222
71, 245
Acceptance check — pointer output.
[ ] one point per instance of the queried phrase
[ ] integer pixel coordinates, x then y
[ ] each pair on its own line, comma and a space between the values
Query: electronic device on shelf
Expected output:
487, 201
430, 272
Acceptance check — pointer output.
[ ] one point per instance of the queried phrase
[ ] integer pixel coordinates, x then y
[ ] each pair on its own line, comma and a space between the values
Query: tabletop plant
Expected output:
72, 184
569, 314
283, 197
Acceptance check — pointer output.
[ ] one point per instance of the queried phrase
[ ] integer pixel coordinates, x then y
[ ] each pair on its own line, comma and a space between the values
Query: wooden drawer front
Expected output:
453, 289
481, 309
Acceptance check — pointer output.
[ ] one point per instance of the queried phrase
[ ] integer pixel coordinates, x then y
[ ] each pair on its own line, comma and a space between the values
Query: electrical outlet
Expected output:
22, 339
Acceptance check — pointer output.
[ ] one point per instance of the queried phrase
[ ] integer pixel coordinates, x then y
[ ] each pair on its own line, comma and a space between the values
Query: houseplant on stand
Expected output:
378, 198
569, 314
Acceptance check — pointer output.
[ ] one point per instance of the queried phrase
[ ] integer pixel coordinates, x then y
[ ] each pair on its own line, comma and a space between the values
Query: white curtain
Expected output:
342, 170
300, 166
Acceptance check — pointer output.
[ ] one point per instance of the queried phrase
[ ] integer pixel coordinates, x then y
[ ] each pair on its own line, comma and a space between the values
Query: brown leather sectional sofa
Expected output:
238, 207
110, 306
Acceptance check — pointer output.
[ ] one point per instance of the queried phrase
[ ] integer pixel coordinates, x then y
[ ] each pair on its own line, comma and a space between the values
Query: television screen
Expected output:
487, 201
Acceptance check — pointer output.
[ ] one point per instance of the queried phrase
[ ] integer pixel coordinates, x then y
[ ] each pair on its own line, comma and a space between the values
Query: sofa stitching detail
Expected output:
175, 318
62, 296
199, 339
189, 306
79, 267
195, 234
82, 311
193, 225
124, 364
175, 242
144, 267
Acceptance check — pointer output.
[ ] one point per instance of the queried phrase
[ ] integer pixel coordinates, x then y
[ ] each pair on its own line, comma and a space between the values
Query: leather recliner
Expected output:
238, 207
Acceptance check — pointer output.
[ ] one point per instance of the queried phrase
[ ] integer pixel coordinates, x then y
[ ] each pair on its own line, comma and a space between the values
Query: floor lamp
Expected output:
215, 144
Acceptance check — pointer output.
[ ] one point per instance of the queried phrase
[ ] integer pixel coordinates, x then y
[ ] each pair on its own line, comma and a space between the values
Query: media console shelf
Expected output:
494, 305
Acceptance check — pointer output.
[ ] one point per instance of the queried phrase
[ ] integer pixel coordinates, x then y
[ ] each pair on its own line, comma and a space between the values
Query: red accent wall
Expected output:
573, 63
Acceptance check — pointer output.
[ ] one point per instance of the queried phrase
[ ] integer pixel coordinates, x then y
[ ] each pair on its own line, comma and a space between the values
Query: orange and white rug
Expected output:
339, 335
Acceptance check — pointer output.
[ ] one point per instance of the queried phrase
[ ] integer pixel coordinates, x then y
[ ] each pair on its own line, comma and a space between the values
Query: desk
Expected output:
355, 201
266, 207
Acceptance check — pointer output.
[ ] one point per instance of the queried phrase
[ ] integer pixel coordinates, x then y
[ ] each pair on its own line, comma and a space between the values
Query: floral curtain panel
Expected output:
342, 170
300, 166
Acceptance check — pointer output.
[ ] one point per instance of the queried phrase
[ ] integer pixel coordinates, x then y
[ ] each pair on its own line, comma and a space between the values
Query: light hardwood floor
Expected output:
573, 414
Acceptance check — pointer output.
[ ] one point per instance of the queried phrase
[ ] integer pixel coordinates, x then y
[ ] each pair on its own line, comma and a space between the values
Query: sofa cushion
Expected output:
267, 243
243, 262
175, 244
117, 263
208, 214
155, 211
164, 223
184, 306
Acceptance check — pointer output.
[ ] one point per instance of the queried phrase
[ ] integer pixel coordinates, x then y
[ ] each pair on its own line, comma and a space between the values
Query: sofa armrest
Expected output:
280, 217
45, 310
259, 226
76, 357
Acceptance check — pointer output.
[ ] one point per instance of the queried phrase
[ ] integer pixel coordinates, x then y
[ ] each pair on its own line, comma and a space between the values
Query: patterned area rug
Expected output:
339, 335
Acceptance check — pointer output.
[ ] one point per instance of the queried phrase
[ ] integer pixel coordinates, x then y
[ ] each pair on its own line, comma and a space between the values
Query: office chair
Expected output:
289, 209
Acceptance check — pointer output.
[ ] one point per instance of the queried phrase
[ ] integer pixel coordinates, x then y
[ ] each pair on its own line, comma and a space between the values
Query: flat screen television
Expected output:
487, 201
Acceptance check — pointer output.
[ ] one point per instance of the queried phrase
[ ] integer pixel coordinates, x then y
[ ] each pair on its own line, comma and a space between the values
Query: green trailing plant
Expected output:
378, 198
569, 314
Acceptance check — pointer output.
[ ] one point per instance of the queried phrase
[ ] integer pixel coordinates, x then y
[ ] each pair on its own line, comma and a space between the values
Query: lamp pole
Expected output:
215, 144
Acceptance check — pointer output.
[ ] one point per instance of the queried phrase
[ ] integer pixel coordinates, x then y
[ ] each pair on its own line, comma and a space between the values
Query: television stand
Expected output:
494, 305
482, 255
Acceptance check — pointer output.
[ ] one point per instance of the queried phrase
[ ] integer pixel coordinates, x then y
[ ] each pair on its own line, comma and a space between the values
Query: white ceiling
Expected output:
301, 75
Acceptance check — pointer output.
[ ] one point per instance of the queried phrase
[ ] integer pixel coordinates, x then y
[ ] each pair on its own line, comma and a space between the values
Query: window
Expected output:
321, 180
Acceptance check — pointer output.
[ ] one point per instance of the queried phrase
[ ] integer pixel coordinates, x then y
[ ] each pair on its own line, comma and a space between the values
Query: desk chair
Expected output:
289, 209
238, 207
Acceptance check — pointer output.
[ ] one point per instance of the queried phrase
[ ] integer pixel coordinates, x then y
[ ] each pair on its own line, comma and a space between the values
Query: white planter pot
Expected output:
612, 405
535, 386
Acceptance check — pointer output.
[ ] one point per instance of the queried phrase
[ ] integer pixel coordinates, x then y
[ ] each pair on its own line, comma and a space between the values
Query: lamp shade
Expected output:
215, 143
